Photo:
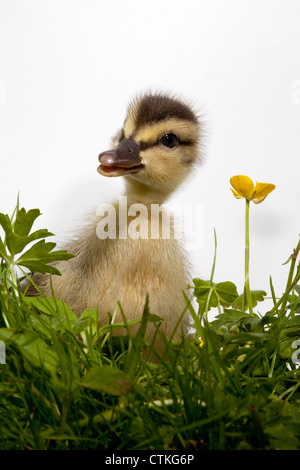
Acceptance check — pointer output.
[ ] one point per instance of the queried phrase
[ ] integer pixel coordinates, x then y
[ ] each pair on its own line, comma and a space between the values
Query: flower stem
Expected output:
247, 257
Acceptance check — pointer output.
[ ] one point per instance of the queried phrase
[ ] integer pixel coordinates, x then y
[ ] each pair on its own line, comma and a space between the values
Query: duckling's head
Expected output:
158, 145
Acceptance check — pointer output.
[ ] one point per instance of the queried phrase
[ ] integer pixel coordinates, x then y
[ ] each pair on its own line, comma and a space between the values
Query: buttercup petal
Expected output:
261, 190
236, 194
258, 200
243, 185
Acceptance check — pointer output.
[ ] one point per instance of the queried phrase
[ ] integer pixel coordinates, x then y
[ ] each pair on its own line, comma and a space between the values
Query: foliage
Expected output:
68, 383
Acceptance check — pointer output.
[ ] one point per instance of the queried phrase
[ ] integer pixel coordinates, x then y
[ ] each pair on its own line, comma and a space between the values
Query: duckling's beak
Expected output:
123, 160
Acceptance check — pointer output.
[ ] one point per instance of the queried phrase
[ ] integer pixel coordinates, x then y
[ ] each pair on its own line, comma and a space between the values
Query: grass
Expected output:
69, 384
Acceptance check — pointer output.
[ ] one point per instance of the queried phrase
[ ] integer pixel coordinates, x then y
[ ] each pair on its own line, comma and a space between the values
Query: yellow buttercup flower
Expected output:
244, 188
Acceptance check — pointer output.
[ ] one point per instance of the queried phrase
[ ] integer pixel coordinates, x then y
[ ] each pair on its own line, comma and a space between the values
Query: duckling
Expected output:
155, 151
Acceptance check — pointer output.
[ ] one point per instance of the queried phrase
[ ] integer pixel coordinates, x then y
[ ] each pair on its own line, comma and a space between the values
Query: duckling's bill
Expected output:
122, 160
117, 171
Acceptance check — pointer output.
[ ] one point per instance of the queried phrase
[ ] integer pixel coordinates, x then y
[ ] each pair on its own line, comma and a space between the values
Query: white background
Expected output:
69, 69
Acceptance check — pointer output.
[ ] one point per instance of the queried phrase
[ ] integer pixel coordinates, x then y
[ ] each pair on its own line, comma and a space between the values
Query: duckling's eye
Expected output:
169, 140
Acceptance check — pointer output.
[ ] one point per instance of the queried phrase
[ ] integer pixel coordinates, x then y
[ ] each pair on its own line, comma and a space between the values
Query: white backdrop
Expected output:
69, 69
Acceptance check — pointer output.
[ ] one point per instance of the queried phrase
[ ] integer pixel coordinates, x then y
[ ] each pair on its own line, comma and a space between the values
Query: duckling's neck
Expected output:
137, 191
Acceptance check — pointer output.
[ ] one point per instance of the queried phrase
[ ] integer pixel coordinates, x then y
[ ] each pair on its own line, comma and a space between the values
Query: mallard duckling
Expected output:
155, 152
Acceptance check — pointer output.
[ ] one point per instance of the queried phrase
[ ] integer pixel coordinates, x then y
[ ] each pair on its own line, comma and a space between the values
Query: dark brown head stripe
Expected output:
154, 108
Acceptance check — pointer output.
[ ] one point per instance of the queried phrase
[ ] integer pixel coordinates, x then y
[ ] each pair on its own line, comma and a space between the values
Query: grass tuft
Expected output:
232, 384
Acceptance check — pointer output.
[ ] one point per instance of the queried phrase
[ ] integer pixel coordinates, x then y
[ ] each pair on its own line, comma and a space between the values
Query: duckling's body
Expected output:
155, 151
106, 271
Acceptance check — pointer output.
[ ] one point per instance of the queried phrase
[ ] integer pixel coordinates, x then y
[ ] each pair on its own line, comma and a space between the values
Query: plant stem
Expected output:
272, 364
211, 279
285, 295
13, 278
215, 256
247, 257
293, 258
66, 400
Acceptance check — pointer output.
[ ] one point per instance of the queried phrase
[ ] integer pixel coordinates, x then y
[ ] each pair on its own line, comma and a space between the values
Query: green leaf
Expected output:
17, 237
227, 292
33, 348
204, 289
24, 221
53, 307
256, 296
3, 253
7, 227
17, 233
209, 294
283, 434
107, 379
40, 254
229, 316
201, 287
20, 243
112, 327
294, 306
242, 338
89, 318
297, 288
